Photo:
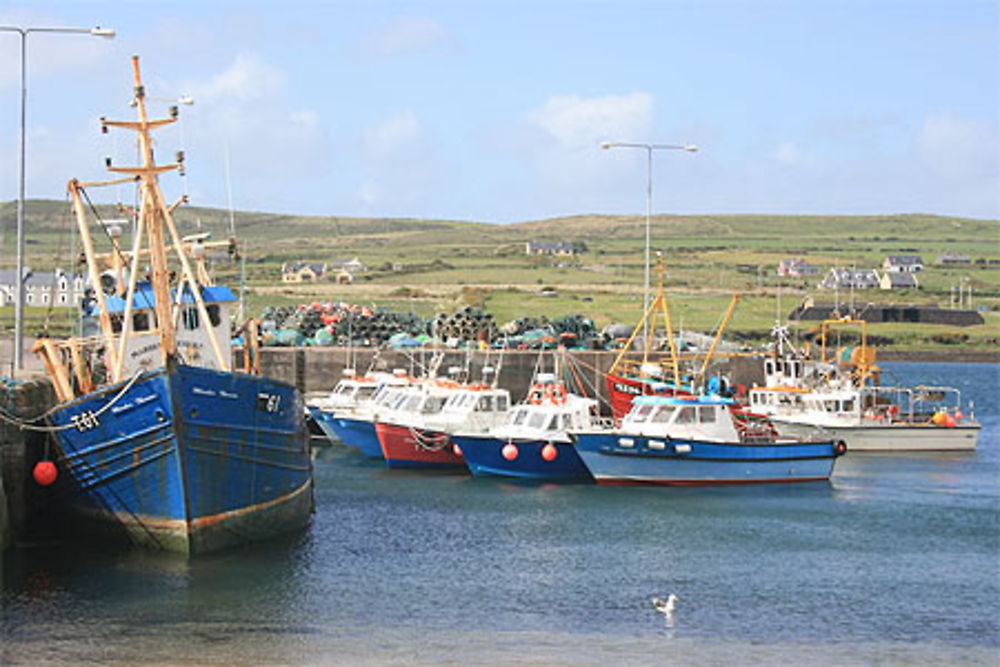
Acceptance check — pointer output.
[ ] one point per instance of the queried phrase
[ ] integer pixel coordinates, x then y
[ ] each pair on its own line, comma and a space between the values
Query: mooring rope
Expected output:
27, 425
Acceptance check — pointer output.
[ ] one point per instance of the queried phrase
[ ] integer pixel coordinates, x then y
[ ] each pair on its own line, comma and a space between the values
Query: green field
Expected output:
429, 266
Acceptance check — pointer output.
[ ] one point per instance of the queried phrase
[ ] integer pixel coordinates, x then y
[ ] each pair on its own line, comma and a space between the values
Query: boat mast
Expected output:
153, 206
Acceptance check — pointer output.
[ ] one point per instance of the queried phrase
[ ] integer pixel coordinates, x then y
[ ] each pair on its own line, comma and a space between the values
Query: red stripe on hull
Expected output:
402, 444
706, 482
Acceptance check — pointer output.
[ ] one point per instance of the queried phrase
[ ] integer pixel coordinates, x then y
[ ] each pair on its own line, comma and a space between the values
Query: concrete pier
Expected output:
320, 368
21, 499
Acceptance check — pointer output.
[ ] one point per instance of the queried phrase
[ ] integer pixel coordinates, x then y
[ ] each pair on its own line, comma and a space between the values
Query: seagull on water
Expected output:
666, 607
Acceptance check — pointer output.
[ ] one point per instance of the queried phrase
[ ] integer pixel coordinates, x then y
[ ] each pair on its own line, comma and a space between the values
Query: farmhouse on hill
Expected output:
302, 272
550, 248
949, 259
903, 263
898, 280
796, 267
850, 279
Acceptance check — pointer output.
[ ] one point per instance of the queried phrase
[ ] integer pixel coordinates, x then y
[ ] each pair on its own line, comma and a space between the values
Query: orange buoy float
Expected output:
509, 451
949, 421
549, 452
45, 473
456, 450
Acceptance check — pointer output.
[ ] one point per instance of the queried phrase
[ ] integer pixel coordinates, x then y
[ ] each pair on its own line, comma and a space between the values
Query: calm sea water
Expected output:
896, 560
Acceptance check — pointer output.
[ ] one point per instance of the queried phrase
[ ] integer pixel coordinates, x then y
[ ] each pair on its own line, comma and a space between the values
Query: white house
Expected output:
57, 288
851, 279
903, 263
550, 248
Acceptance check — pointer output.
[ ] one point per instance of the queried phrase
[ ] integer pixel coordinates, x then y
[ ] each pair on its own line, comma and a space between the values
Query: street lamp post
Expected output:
649, 148
18, 356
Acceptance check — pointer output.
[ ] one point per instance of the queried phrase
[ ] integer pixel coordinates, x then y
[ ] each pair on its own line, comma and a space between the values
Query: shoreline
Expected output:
953, 356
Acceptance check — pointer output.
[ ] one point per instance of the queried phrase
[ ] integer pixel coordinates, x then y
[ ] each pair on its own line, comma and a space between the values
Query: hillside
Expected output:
429, 266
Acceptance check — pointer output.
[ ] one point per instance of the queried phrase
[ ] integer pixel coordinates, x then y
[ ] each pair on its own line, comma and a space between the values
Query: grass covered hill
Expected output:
430, 266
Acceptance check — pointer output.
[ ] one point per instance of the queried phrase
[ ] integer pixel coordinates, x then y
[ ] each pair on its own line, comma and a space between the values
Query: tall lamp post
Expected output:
649, 148
18, 356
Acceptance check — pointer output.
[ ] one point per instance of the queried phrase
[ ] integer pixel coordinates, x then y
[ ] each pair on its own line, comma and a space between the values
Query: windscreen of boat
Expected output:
662, 415
537, 420
517, 417
433, 404
639, 414
413, 403
685, 415
366, 392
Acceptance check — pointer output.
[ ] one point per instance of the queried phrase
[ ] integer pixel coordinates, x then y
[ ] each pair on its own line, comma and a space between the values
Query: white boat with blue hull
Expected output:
700, 441
162, 439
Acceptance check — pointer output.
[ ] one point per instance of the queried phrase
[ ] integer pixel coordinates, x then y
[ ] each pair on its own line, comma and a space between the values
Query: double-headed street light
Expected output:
18, 356
649, 148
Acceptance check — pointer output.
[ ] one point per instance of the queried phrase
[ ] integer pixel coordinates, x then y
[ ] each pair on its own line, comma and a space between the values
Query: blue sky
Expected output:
494, 111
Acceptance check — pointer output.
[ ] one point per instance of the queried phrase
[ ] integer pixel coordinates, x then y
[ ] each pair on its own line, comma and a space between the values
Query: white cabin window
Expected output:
706, 414
685, 415
537, 420
662, 416
433, 404
501, 403
639, 415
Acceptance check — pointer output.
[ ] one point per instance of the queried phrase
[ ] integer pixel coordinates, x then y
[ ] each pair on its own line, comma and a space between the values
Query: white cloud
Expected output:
404, 173
394, 137
247, 79
562, 138
405, 35
576, 123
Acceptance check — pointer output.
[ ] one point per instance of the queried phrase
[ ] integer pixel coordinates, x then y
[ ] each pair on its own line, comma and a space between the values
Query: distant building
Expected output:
302, 272
56, 288
796, 267
350, 265
550, 248
850, 279
898, 280
953, 260
903, 263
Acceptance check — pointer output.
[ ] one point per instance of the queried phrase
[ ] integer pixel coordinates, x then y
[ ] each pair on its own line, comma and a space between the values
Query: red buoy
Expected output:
457, 450
549, 452
509, 451
45, 473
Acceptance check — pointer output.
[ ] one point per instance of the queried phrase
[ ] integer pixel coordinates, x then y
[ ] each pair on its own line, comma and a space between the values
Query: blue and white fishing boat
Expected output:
702, 440
163, 441
534, 442
351, 400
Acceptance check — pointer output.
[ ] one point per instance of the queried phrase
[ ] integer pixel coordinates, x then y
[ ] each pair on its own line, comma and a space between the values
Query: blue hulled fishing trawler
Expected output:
162, 439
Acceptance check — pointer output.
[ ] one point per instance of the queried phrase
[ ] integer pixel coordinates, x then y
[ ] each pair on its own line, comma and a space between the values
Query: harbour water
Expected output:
897, 559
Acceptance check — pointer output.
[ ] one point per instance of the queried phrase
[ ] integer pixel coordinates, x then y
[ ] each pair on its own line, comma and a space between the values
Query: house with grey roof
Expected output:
550, 248
898, 280
903, 263
302, 272
41, 288
950, 259
850, 279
